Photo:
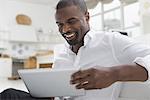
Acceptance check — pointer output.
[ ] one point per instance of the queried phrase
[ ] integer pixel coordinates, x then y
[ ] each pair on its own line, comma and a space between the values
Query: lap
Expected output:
13, 94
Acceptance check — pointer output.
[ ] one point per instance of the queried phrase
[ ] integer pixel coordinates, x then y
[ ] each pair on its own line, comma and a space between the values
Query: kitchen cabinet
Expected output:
5, 67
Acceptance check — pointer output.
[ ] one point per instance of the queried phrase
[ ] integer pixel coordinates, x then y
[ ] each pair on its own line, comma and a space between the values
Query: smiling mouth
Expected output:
70, 36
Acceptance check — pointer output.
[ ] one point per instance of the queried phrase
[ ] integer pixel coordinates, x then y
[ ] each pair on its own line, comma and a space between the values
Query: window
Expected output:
117, 15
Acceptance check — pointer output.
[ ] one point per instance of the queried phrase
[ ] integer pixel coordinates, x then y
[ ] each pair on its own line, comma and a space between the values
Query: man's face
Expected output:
72, 23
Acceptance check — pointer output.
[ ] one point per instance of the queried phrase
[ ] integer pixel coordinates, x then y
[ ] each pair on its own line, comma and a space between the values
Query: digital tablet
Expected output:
49, 82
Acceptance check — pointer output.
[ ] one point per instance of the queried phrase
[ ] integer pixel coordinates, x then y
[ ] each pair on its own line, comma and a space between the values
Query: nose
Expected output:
66, 28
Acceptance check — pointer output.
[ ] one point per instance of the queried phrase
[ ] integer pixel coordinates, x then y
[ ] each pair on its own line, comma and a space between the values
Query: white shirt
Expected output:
103, 49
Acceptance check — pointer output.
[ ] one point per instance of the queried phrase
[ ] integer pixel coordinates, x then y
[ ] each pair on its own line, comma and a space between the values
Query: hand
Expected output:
94, 78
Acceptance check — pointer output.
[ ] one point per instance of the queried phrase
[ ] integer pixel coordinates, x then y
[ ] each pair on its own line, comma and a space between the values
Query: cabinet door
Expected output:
5, 67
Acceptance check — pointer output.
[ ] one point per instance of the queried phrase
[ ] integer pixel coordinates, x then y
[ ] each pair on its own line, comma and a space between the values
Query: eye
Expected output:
59, 25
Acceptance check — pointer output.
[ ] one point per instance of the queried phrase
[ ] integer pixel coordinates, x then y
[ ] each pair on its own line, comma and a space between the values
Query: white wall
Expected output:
42, 16
2, 14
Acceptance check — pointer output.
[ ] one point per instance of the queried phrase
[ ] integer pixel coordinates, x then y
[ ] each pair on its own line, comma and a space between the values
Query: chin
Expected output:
72, 42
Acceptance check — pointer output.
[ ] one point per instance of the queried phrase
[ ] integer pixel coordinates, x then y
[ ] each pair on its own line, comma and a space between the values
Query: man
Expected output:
104, 59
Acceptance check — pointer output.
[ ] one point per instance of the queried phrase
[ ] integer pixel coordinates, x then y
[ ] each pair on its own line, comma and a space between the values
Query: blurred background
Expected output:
28, 34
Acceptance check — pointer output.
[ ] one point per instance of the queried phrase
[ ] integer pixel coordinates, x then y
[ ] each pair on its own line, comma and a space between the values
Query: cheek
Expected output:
60, 30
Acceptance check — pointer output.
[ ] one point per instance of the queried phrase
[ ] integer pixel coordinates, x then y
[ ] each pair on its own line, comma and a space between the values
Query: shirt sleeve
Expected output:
145, 62
128, 51
61, 57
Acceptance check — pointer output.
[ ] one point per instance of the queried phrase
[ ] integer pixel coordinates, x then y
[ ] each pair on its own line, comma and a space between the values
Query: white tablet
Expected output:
49, 82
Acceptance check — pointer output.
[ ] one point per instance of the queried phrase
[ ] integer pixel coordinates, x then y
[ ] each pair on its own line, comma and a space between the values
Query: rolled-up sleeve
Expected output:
128, 51
145, 62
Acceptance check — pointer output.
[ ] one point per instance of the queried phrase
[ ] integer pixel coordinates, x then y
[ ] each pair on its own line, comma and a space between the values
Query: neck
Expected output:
76, 47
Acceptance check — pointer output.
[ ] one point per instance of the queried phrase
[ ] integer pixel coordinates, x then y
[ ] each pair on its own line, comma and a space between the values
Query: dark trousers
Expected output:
13, 94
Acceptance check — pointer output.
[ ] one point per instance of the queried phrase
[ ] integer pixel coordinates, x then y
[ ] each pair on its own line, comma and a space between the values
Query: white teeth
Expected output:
70, 35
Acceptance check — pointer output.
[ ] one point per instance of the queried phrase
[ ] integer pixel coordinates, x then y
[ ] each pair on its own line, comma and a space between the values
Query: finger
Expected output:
81, 85
76, 74
80, 80
86, 85
80, 74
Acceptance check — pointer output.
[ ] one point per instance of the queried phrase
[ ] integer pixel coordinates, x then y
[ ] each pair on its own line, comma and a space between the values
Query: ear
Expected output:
87, 16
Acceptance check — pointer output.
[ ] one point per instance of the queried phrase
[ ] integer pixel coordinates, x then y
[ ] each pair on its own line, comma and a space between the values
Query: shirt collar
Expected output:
87, 38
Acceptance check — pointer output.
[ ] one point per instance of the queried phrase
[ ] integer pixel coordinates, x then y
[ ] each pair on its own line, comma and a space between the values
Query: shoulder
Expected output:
107, 38
102, 34
116, 36
99, 36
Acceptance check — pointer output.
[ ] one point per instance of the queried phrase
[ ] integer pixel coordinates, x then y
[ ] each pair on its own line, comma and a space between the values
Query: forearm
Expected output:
133, 72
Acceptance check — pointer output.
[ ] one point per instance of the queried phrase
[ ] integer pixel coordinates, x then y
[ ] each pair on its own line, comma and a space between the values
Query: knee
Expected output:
8, 91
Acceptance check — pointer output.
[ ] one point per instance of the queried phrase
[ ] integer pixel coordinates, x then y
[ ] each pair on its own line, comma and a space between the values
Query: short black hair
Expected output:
66, 3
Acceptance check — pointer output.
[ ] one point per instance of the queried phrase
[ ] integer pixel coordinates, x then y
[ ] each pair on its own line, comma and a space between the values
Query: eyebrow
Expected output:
67, 20
71, 19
